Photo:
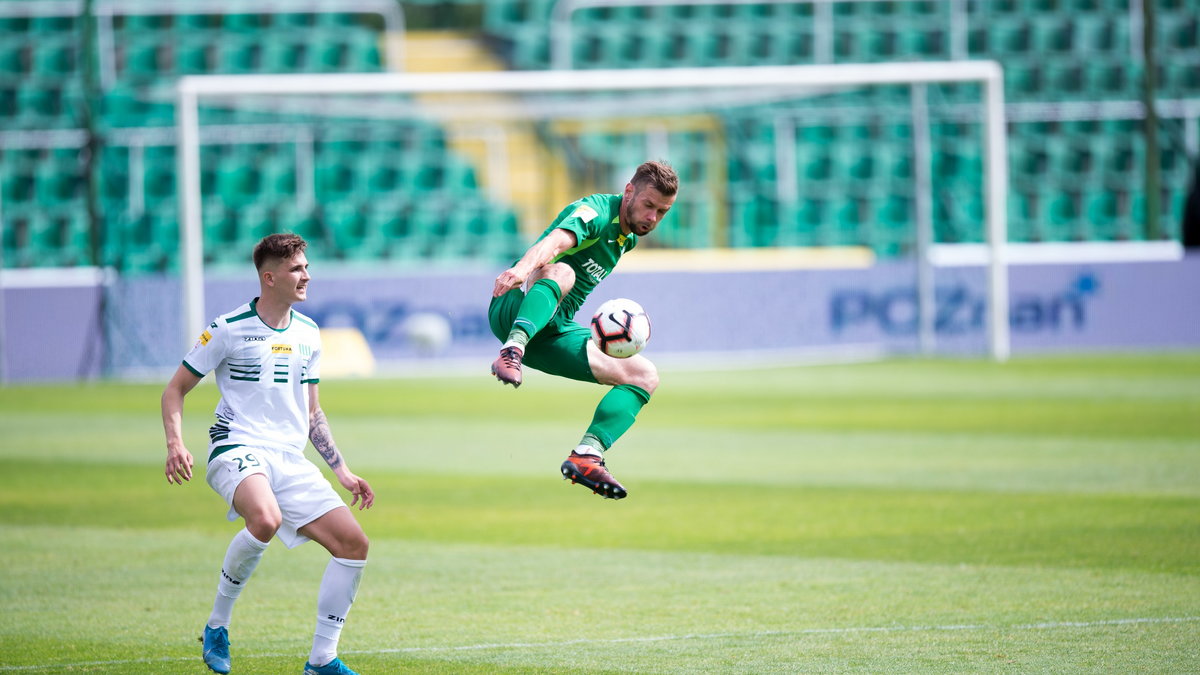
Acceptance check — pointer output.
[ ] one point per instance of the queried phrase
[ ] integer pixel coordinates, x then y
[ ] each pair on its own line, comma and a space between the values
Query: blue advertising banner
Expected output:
56, 333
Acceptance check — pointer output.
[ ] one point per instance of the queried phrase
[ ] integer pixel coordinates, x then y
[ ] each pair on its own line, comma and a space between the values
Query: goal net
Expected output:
782, 168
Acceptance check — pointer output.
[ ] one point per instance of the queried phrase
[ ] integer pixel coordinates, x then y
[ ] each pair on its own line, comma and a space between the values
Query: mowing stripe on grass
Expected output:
1047, 625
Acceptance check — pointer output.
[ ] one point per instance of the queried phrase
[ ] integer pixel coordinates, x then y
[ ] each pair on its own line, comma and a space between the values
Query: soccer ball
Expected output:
620, 328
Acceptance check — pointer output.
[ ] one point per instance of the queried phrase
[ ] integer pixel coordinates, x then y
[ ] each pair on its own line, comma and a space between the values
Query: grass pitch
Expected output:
908, 516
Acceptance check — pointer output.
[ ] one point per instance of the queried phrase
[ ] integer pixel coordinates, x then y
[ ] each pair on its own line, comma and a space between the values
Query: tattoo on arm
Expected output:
322, 439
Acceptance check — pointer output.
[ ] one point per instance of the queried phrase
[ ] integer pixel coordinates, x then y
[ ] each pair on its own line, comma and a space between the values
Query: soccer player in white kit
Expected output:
266, 359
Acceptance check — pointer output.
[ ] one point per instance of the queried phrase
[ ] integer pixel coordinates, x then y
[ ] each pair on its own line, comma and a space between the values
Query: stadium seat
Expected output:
305, 222
1060, 214
238, 182
334, 179
248, 23
238, 55
1022, 226
191, 55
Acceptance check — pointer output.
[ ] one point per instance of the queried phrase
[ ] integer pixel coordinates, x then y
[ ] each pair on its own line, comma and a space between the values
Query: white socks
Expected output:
338, 588
241, 558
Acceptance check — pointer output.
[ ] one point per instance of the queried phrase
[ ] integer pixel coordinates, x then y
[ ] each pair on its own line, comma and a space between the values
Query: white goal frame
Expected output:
191, 89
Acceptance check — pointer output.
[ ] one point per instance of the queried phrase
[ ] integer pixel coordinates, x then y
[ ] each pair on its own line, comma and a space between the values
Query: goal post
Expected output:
192, 90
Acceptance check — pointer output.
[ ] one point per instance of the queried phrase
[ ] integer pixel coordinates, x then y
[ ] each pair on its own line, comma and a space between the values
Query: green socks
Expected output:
535, 311
614, 415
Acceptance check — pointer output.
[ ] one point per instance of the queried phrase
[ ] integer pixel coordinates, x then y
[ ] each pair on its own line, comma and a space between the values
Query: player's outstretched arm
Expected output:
545, 250
179, 460
322, 440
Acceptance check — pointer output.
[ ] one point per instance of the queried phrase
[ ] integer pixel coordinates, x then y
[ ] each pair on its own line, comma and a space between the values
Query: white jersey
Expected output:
263, 375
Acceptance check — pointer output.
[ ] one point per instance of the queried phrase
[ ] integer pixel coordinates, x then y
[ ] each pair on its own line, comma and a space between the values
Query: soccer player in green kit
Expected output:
535, 300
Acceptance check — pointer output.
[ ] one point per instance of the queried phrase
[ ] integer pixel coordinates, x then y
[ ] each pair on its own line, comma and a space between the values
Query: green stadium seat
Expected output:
387, 219
346, 225
248, 23
1010, 36
816, 164
237, 182
336, 21
158, 183
238, 55
363, 52
1096, 34
253, 221
144, 58
1101, 213
283, 55
305, 222
14, 25
8, 102
277, 176
50, 24
1107, 79
193, 23
13, 59
1022, 226
293, 20
333, 179
192, 55
1181, 79
39, 103
1064, 80
219, 223
327, 55
54, 57
458, 177
1060, 214
1053, 35
1180, 31
143, 23
1022, 81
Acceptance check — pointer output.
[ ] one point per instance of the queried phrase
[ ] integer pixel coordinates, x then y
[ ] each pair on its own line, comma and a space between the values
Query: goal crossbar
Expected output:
191, 89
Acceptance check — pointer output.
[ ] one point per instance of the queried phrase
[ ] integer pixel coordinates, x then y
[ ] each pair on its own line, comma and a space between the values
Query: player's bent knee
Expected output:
359, 548
649, 380
643, 374
263, 525
561, 274
352, 547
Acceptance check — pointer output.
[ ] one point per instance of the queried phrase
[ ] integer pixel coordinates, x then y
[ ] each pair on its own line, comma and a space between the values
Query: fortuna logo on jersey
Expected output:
281, 349
595, 270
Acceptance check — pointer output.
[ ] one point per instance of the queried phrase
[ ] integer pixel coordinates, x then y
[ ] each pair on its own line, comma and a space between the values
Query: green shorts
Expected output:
558, 349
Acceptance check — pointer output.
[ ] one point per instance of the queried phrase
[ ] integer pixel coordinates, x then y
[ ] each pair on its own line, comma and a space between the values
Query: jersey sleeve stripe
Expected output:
194, 371
303, 319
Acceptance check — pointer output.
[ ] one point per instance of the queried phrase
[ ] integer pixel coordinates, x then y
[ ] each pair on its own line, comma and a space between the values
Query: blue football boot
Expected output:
334, 667
216, 649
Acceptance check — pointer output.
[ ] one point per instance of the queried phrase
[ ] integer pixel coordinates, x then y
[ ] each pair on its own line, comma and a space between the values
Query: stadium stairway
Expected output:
524, 154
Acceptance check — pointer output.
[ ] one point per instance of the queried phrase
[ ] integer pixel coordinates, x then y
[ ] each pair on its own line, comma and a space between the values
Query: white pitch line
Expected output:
1049, 625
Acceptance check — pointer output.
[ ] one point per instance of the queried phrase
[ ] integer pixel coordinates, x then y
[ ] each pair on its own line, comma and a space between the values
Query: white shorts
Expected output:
301, 490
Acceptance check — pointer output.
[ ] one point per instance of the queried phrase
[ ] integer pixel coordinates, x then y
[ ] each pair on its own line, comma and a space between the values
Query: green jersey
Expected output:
596, 222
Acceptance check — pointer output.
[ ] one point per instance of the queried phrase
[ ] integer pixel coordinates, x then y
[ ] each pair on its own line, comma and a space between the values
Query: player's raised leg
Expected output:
537, 307
634, 380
